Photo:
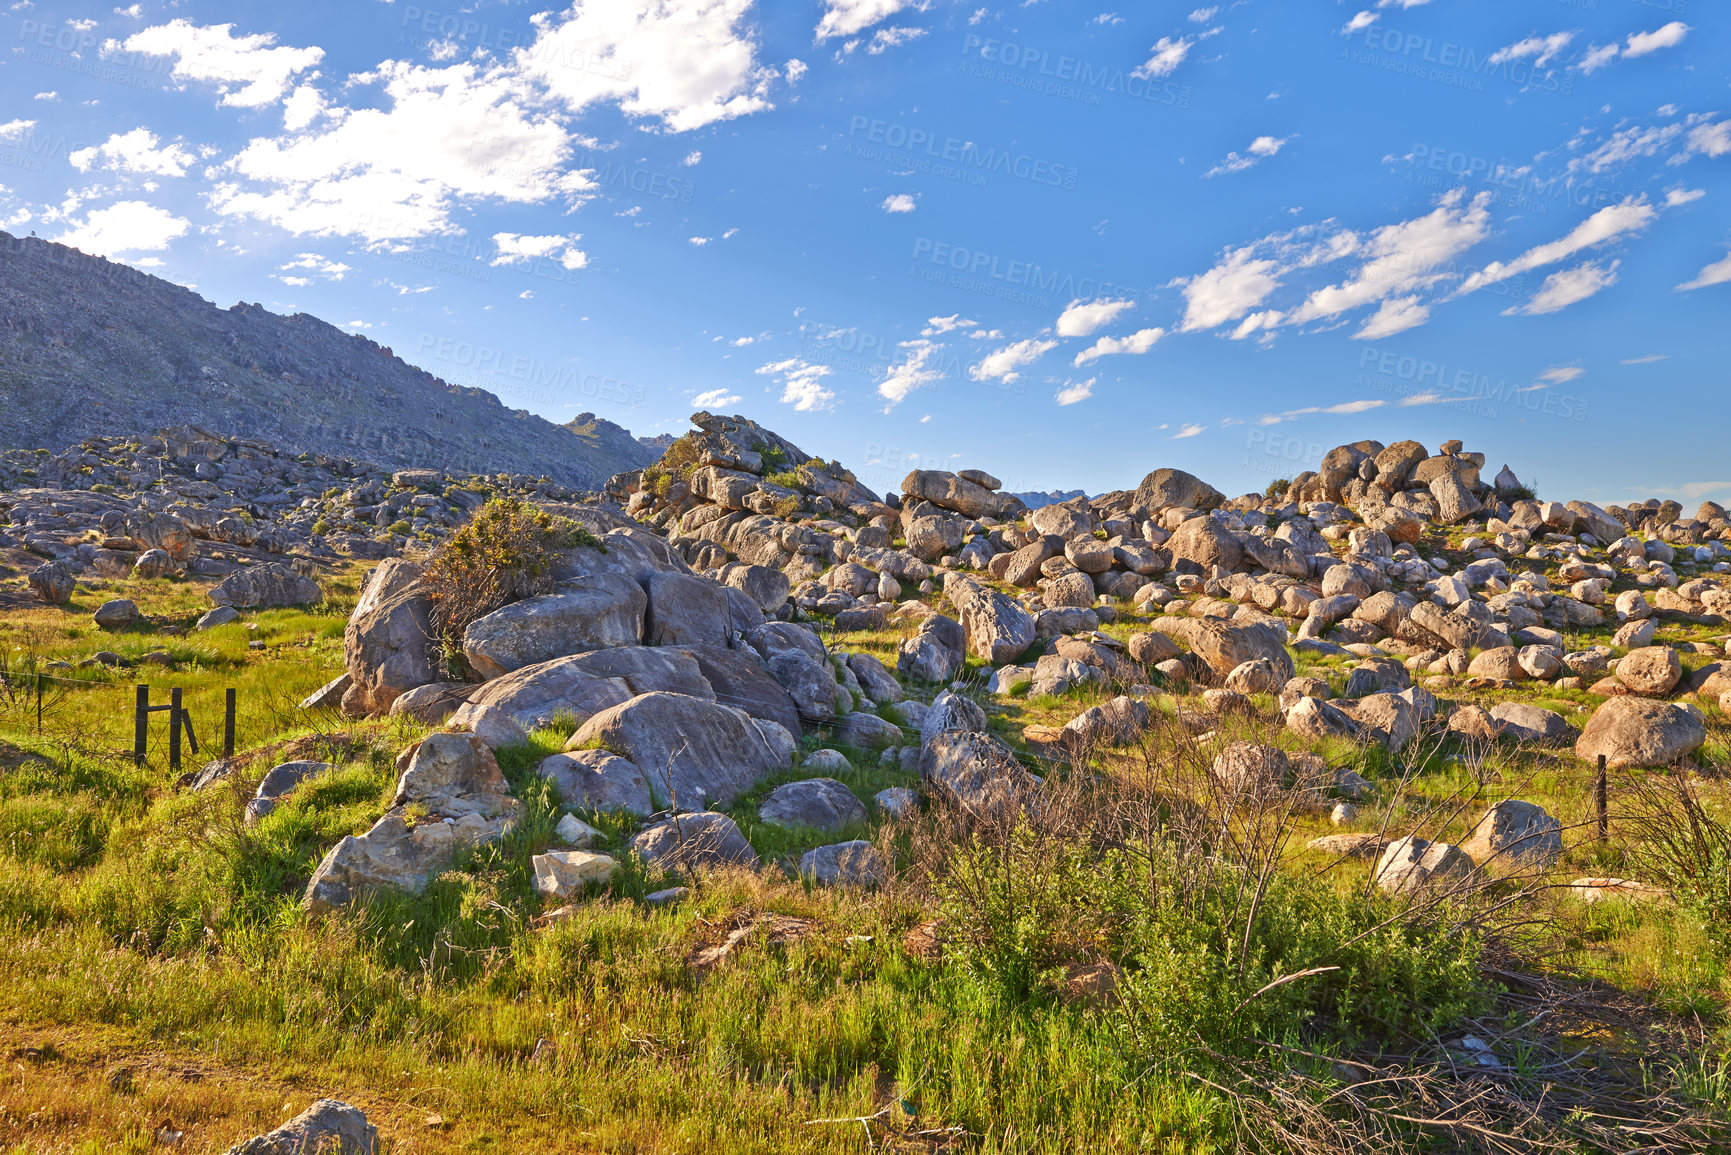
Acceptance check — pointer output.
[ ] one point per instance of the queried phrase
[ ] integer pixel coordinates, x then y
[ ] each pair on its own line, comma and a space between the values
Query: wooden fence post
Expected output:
140, 725
228, 724
174, 729
1599, 800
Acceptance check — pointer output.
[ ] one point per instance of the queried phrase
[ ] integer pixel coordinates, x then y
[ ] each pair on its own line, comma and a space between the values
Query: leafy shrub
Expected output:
321, 526
505, 553
401, 528
1277, 488
678, 463
787, 479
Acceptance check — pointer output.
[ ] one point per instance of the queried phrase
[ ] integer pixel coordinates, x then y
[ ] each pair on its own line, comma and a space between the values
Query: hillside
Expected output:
89, 347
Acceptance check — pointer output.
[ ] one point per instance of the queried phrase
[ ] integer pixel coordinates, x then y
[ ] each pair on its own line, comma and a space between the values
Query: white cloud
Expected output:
1561, 374
1203, 15
1717, 273
1260, 149
1137, 343
1107, 19
914, 372
1565, 288
1630, 216
694, 157
795, 70
1654, 357
514, 247
1627, 144
699, 242
1167, 55
686, 64
801, 384
1081, 318
938, 326
1074, 391
1682, 196
1668, 36
360, 324
313, 262
16, 129
449, 135
249, 71
715, 399
1229, 290
1004, 364
1395, 315
1542, 49
1709, 139
846, 17
1190, 430
899, 203
125, 226
1404, 256
133, 152
303, 106
1637, 44
885, 39
1344, 409
1360, 21
50, 95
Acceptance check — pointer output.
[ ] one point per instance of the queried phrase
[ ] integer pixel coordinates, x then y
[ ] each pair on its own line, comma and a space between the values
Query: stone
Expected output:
153, 563
1636, 634
328, 696
450, 797
685, 610
587, 613
878, 683
855, 863
739, 679
818, 803
278, 783
866, 731
52, 583
897, 801
266, 585
574, 689
1174, 487
1118, 722
974, 771
765, 586
1250, 769
935, 652
1225, 646
1632, 731
1413, 863
1206, 542
1349, 845
562, 873
1502, 663
998, 630
221, 616
573, 831
694, 752
1257, 676
116, 614
694, 843
328, 1127
960, 492
1528, 723
599, 781
388, 644
1651, 670
1151, 649
1515, 835
433, 703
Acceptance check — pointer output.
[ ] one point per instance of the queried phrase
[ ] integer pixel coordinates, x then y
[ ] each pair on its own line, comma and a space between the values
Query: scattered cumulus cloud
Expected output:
1189, 430
1075, 391
899, 203
1638, 44
1005, 364
124, 227
1565, 288
1081, 318
801, 384
137, 151
1540, 49
1166, 55
1632, 215
1260, 149
914, 371
848, 17
1717, 273
514, 247
1136, 343
715, 399
938, 326
1344, 409
248, 71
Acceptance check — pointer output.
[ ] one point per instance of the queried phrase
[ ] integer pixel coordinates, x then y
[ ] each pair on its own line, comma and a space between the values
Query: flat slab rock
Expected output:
328, 1127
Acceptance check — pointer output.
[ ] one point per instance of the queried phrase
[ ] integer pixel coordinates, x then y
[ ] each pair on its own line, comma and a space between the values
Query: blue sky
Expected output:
1065, 243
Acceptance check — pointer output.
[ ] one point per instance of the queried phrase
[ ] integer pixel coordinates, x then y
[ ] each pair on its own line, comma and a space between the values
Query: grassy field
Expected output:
158, 977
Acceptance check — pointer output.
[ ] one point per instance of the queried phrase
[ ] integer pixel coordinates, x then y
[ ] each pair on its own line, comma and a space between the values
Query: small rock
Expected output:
560, 873
573, 831
329, 1127
116, 614
855, 863
897, 801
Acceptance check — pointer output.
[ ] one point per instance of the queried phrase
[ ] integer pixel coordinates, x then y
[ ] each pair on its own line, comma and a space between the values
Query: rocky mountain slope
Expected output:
89, 348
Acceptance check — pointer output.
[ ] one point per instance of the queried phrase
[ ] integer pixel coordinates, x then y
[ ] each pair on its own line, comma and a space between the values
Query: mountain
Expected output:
89, 347
1055, 497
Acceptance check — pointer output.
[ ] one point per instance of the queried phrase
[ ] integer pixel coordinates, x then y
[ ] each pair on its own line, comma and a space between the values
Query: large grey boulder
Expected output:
388, 644
576, 688
1225, 646
1525, 722
877, 682
739, 679
935, 653
975, 771
767, 587
328, 1127
959, 493
694, 843
1515, 835
998, 629
1174, 487
266, 585
686, 610
1414, 864
855, 863
1207, 543
795, 657
433, 703
116, 614
694, 752
597, 780
1631, 731
819, 803
279, 782
451, 797
52, 583
587, 613
162, 531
